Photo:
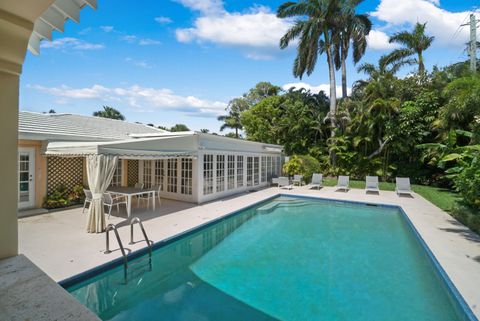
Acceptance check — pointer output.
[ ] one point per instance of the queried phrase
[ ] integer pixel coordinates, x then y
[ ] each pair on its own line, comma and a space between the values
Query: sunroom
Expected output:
190, 166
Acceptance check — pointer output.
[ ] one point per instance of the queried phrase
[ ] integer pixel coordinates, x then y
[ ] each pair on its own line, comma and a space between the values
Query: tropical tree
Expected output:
354, 29
179, 128
261, 91
232, 119
414, 44
463, 99
316, 30
109, 112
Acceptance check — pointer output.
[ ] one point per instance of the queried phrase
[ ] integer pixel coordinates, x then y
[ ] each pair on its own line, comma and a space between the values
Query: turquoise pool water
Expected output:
288, 259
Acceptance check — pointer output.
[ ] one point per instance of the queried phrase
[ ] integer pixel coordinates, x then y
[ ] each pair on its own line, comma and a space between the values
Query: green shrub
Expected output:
302, 164
61, 197
467, 217
467, 183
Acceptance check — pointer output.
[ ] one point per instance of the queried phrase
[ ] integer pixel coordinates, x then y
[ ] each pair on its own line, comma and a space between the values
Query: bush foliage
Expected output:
304, 165
62, 197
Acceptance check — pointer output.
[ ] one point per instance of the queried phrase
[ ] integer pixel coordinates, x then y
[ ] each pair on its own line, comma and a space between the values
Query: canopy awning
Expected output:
148, 148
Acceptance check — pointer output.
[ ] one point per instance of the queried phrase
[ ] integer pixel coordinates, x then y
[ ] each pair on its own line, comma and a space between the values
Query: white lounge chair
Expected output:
343, 183
316, 181
275, 181
88, 199
284, 183
403, 186
297, 180
371, 184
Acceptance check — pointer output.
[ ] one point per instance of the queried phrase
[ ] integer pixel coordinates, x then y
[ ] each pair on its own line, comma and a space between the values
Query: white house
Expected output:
188, 166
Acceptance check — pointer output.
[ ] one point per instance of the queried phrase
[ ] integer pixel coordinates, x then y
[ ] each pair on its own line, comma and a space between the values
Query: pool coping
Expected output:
453, 291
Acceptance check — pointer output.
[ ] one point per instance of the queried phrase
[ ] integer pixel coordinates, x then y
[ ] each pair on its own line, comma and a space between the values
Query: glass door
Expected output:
26, 184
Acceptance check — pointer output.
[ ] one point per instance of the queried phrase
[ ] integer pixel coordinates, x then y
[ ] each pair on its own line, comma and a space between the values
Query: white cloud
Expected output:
315, 89
163, 20
138, 63
440, 23
140, 98
129, 38
256, 32
106, 28
378, 40
148, 42
71, 43
140, 41
85, 31
207, 7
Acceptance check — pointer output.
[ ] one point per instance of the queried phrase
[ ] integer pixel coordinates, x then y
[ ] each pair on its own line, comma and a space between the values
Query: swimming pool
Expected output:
289, 258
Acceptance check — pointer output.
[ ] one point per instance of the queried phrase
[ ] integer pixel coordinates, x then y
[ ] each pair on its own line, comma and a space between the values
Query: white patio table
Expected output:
132, 191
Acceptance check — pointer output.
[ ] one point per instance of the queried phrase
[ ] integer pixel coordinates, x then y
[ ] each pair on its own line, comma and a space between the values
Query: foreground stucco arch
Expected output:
17, 19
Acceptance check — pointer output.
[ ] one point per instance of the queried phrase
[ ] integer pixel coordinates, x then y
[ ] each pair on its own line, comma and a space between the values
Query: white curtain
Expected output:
100, 170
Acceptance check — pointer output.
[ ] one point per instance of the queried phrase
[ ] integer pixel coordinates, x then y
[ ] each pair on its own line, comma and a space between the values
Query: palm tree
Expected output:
414, 43
179, 128
355, 28
316, 29
379, 74
232, 120
109, 112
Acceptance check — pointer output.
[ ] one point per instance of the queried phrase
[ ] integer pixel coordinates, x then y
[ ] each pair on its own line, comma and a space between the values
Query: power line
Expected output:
462, 24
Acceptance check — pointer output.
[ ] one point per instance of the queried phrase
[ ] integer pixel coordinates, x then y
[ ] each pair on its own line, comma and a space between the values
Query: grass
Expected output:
443, 198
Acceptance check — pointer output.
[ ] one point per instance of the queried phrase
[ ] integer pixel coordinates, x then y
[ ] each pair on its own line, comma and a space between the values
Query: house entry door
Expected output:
26, 178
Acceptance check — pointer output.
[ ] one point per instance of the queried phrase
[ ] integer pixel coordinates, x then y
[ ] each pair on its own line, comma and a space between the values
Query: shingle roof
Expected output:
78, 127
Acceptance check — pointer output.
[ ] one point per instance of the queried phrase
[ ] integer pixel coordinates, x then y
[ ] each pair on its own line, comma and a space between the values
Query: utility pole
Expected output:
472, 48
473, 43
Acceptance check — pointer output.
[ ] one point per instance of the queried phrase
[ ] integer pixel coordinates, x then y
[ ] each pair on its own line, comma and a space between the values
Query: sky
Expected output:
181, 61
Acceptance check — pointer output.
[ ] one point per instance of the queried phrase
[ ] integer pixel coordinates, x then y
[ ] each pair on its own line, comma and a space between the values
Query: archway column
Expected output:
16, 25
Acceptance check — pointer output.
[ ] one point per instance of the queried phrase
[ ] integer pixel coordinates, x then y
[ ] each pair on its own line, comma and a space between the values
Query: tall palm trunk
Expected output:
421, 66
344, 69
333, 94
331, 74
344, 78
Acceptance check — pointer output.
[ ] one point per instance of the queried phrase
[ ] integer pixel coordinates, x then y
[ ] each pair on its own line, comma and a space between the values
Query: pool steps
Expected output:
282, 203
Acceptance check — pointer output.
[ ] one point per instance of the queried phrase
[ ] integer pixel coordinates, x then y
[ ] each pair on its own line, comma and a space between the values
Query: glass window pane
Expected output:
207, 174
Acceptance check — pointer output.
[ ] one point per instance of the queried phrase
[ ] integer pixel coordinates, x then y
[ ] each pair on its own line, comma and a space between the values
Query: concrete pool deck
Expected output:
58, 244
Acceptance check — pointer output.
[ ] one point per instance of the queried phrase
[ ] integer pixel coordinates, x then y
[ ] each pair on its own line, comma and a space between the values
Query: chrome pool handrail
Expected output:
133, 221
112, 227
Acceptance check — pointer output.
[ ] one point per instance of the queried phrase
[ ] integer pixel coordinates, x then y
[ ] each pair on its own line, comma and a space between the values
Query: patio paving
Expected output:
58, 244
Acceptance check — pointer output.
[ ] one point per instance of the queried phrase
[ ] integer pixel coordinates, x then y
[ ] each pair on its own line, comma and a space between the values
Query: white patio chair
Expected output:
148, 196
297, 179
138, 185
371, 184
88, 199
284, 183
316, 181
110, 201
403, 186
158, 189
343, 183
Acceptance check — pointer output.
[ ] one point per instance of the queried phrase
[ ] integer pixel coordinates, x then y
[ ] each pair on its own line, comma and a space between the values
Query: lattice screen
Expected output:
64, 171
132, 172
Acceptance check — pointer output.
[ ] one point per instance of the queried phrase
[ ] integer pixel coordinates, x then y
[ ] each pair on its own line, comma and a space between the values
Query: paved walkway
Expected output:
59, 245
